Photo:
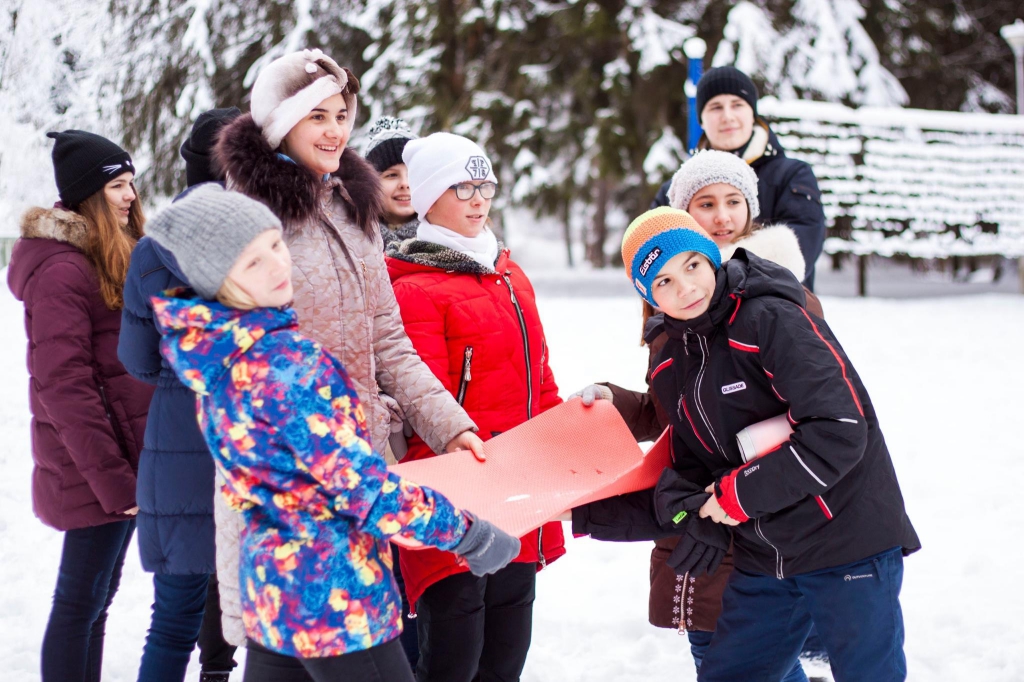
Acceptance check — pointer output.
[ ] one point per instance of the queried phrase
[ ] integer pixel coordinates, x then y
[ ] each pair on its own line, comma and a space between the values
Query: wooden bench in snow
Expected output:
922, 184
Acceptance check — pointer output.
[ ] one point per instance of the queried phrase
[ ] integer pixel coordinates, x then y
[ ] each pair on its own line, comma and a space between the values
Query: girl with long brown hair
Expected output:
88, 415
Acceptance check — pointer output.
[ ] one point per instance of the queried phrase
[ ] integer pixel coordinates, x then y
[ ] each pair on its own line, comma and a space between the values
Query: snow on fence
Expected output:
921, 184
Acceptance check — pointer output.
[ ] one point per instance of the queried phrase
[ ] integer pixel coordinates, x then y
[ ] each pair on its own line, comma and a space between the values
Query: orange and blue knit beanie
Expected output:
657, 236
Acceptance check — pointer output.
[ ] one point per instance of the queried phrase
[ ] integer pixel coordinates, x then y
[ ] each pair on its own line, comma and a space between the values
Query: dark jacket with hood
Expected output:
786, 189
88, 414
176, 473
827, 496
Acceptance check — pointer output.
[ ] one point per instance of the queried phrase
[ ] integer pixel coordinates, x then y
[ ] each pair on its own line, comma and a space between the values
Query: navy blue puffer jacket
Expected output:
176, 473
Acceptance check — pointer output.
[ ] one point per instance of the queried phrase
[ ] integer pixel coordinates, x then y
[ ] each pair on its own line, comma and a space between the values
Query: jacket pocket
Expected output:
807, 192
467, 376
115, 423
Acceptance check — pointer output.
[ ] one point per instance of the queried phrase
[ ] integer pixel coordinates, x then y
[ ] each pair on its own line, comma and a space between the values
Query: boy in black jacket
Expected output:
818, 524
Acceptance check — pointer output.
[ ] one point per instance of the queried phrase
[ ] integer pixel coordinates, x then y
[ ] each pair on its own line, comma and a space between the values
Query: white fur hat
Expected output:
710, 167
437, 162
283, 93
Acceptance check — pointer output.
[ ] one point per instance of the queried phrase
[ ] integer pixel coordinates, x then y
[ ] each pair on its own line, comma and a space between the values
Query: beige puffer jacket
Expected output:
344, 301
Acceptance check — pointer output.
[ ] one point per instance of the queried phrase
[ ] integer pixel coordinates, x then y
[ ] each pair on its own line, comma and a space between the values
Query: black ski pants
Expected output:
476, 629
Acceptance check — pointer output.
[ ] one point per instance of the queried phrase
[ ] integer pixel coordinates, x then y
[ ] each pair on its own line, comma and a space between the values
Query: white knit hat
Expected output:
437, 162
710, 167
282, 94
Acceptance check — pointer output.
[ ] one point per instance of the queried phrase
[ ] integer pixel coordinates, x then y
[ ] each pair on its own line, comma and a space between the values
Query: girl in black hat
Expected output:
88, 414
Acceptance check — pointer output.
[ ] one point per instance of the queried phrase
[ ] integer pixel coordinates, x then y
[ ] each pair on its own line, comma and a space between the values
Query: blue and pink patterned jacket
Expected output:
289, 436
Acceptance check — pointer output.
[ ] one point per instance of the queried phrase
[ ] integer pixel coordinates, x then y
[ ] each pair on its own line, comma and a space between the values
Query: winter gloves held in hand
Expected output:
704, 543
591, 393
486, 548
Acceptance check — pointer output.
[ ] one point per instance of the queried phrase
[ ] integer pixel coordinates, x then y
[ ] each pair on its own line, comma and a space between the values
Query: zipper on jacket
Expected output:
112, 418
466, 376
526, 344
778, 555
682, 604
702, 344
540, 547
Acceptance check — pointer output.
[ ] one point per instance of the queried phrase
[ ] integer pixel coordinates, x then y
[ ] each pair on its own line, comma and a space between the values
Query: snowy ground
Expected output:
945, 376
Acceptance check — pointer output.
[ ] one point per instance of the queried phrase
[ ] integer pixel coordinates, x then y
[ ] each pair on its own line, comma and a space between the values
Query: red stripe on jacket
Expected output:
842, 365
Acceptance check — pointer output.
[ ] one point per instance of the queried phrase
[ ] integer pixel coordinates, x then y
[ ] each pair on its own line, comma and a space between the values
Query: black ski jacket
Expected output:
826, 497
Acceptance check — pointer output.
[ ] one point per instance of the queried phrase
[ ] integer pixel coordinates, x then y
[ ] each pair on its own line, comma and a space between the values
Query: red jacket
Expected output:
88, 414
475, 329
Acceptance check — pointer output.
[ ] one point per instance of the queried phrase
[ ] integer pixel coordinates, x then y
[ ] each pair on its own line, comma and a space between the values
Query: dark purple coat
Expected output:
88, 414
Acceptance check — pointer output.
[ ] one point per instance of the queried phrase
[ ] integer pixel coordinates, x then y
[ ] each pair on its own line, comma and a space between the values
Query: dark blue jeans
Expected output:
178, 605
855, 609
700, 641
89, 574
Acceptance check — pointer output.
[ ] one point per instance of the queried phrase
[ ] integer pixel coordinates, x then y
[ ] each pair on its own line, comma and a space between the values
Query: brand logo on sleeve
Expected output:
747, 472
649, 260
732, 388
478, 168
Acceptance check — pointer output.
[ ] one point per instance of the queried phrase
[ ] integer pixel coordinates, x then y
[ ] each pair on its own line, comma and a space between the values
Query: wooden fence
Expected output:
911, 183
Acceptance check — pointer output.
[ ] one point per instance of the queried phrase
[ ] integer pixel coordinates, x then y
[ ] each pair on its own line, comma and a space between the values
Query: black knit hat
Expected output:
83, 163
725, 80
198, 148
388, 138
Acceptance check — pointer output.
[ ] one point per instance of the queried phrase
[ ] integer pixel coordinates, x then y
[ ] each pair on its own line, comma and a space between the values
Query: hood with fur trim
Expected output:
45, 232
777, 243
295, 194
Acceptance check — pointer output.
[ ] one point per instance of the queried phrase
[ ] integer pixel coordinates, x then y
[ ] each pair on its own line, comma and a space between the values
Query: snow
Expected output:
944, 374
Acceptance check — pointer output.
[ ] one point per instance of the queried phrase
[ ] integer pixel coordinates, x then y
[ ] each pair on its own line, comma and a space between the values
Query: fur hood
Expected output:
55, 223
777, 243
295, 194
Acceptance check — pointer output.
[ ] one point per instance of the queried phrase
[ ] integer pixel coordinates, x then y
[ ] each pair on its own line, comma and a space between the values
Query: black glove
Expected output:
676, 498
701, 548
485, 547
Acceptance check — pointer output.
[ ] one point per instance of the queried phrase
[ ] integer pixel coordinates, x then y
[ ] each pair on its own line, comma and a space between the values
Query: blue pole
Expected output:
695, 49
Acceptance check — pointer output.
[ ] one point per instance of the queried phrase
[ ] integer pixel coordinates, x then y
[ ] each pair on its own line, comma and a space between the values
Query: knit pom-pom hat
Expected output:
655, 238
388, 137
289, 87
710, 167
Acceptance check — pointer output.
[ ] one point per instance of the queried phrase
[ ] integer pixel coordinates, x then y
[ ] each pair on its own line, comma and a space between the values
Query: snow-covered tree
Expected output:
809, 49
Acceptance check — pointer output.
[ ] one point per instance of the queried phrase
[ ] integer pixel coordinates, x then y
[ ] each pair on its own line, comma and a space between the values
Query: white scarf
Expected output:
482, 248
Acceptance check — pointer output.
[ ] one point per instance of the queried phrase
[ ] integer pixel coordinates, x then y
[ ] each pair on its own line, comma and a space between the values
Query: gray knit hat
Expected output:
207, 230
710, 167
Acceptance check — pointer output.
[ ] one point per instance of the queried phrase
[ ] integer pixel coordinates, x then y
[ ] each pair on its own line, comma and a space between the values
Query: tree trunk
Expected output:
599, 228
567, 233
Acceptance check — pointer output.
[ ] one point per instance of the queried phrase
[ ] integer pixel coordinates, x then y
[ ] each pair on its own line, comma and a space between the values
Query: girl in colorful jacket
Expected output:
471, 315
289, 435
818, 524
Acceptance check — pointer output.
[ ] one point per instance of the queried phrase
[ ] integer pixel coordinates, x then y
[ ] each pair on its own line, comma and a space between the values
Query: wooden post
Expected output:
862, 275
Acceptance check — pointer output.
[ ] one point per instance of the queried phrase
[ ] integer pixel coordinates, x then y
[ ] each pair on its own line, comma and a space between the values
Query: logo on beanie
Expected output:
649, 260
110, 170
640, 285
478, 168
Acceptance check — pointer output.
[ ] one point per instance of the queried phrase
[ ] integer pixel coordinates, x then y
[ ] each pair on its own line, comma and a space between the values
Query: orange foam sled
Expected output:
565, 457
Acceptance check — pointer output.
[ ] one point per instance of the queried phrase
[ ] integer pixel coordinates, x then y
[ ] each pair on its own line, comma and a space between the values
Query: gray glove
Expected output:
485, 547
591, 393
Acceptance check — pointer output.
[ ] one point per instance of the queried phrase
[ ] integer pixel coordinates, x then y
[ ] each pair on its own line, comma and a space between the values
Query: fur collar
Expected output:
295, 194
777, 243
55, 223
441, 257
